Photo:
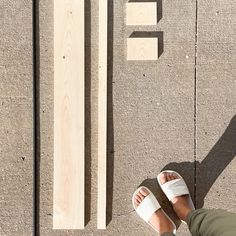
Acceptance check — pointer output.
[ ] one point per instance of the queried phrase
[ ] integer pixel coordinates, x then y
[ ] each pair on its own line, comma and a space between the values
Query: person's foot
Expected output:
182, 205
158, 220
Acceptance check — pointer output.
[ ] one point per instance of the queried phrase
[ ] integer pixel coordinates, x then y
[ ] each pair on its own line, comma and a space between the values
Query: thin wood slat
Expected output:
102, 115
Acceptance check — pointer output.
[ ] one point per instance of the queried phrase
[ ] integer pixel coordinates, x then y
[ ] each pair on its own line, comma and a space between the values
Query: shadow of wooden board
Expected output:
68, 194
141, 13
142, 49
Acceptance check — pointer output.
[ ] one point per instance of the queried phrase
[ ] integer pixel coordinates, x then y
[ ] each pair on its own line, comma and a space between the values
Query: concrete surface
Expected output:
16, 118
216, 94
163, 114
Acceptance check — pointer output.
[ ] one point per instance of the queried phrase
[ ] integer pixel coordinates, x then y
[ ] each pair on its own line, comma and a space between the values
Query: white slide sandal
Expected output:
173, 188
148, 206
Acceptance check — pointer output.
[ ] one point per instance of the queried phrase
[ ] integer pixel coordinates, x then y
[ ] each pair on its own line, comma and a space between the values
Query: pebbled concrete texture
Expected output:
16, 118
162, 114
216, 108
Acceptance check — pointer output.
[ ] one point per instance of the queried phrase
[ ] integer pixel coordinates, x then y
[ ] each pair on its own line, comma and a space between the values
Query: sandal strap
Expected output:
175, 188
147, 207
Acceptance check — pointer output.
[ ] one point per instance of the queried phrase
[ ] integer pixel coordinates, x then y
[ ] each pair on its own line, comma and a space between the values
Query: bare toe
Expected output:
163, 178
168, 177
138, 198
136, 201
144, 192
172, 176
140, 195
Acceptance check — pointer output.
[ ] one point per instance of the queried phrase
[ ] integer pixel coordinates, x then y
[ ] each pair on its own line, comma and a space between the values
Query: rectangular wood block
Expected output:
141, 13
69, 163
142, 49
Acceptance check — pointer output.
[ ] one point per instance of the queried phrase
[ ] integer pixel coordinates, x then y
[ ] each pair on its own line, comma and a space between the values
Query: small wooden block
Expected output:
142, 49
141, 13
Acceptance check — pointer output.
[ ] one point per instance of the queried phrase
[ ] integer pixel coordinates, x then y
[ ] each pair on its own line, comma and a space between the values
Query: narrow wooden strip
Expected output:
102, 115
68, 195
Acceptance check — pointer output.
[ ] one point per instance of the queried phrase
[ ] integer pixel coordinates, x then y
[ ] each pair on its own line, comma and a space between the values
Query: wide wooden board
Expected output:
68, 195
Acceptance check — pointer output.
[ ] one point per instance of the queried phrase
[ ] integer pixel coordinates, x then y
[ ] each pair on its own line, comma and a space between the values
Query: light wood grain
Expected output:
141, 13
142, 49
102, 115
68, 195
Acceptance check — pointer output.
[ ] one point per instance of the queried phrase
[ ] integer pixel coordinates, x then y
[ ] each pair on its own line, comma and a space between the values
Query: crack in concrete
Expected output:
195, 105
124, 214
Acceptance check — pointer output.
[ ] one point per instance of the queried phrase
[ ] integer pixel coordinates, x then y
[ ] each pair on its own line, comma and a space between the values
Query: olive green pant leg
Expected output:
212, 223
167, 234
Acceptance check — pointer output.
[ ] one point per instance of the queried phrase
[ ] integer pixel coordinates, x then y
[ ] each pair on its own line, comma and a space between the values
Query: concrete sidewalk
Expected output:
177, 112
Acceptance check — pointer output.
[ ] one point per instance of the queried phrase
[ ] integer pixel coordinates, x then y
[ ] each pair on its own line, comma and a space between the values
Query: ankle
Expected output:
161, 222
183, 205
182, 212
166, 228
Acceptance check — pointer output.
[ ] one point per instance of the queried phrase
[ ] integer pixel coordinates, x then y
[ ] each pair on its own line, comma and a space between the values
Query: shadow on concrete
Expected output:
110, 127
88, 157
151, 34
159, 7
219, 157
36, 118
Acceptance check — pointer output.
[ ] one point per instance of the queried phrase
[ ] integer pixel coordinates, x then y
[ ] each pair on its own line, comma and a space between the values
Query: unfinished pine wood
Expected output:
102, 115
141, 13
68, 195
142, 49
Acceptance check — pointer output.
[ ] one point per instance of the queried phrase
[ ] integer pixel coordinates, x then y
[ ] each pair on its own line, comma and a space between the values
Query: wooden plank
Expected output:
68, 196
102, 115
142, 48
141, 13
